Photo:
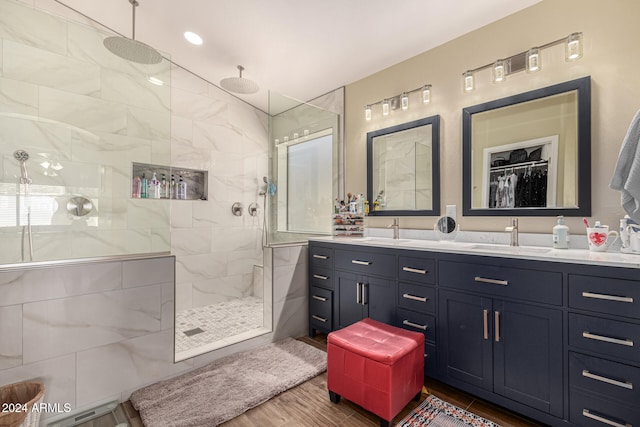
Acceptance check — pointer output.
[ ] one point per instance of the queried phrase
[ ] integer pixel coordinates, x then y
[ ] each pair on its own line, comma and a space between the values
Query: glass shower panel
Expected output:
83, 116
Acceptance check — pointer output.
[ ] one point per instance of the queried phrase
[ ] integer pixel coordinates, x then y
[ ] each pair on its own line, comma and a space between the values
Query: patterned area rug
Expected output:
434, 412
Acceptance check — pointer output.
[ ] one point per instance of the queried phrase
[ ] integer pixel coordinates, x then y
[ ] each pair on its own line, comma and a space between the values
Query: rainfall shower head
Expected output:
131, 49
239, 84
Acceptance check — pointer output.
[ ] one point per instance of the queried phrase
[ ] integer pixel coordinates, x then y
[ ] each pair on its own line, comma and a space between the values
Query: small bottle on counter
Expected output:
560, 234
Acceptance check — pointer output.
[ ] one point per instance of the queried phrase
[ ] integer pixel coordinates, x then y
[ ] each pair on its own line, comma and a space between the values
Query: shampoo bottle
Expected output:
136, 187
143, 187
164, 193
560, 234
182, 190
154, 187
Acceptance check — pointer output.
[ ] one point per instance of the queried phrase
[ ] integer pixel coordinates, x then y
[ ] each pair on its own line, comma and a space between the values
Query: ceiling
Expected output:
298, 48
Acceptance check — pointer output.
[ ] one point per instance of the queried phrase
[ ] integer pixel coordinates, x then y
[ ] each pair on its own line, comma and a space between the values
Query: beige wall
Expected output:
611, 58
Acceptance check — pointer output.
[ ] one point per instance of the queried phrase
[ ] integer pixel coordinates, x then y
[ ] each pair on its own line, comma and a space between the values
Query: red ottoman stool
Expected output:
375, 365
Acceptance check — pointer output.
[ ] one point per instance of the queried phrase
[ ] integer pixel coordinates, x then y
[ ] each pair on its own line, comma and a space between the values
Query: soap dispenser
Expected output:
560, 234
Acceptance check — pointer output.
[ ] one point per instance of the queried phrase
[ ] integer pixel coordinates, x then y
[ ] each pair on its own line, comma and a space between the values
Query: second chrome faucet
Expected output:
396, 228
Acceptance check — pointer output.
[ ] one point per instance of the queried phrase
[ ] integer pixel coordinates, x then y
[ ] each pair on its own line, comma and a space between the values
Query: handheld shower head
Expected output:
22, 156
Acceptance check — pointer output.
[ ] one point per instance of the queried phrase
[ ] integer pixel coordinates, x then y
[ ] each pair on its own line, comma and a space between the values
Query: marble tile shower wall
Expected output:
83, 115
215, 250
91, 332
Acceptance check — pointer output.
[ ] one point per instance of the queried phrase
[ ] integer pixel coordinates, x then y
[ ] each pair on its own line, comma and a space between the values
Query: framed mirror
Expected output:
529, 154
403, 169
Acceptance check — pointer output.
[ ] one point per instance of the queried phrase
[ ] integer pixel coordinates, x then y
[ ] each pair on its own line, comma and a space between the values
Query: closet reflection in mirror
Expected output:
529, 154
403, 169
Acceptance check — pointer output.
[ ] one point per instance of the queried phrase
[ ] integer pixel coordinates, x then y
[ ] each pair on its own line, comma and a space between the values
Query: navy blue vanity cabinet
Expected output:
417, 303
365, 285
604, 341
500, 330
321, 289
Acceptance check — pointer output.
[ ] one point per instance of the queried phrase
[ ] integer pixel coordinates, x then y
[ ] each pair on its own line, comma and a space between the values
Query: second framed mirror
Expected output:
403, 169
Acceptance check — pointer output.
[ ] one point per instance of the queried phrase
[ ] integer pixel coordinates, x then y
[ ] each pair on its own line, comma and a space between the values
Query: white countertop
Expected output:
539, 253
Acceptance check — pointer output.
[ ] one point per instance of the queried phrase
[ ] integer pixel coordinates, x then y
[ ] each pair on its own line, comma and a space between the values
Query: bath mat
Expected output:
226, 388
434, 412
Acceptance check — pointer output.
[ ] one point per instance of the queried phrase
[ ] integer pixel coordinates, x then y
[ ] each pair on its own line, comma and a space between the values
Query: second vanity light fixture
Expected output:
531, 61
398, 101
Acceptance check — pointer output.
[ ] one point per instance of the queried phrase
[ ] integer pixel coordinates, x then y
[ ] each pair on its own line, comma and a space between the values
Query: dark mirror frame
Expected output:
583, 87
434, 121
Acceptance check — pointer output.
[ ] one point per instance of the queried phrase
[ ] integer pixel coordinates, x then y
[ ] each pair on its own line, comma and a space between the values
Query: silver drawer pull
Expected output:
414, 270
321, 319
320, 256
628, 343
626, 384
355, 261
414, 298
588, 414
319, 298
320, 276
607, 297
492, 281
415, 325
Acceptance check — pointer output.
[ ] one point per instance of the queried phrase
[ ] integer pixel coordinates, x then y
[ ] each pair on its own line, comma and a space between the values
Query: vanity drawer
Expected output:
417, 322
586, 410
320, 308
614, 380
320, 256
604, 336
605, 295
321, 277
417, 269
416, 297
377, 264
530, 285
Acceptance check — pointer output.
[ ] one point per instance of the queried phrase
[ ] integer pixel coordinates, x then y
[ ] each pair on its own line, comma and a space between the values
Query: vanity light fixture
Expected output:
404, 101
399, 101
531, 61
426, 94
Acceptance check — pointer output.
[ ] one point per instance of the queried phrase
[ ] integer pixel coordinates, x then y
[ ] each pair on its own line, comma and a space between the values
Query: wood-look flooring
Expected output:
308, 405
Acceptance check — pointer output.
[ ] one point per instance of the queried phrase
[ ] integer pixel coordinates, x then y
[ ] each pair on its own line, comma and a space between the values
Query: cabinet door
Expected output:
379, 299
350, 308
465, 334
528, 355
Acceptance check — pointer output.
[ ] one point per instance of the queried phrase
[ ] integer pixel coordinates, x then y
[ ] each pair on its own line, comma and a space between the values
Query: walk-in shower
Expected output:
22, 156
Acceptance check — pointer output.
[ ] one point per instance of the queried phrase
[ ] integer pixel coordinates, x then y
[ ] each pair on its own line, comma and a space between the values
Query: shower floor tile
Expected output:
217, 321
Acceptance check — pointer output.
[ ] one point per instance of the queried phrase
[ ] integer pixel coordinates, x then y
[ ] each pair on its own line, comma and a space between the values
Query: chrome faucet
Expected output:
396, 228
513, 229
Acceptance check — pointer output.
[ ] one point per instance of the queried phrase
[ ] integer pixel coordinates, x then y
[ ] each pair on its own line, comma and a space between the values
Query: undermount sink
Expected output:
513, 249
383, 240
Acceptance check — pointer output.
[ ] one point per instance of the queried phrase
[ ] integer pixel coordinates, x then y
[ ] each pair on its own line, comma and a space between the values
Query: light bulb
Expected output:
534, 62
573, 47
367, 113
426, 94
468, 81
385, 107
499, 71
404, 101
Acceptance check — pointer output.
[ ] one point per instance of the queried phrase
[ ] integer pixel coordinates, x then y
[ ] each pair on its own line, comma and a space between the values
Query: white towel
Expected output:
626, 176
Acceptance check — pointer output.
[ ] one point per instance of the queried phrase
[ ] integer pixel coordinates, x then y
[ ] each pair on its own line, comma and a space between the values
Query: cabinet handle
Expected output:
319, 298
320, 276
320, 256
415, 298
588, 414
364, 293
485, 318
626, 342
497, 322
626, 384
492, 281
358, 293
414, 270
607, 297
321, 319
415, 325
355, 261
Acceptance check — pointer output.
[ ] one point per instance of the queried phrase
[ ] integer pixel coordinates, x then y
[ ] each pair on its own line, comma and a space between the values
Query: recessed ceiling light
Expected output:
193, 38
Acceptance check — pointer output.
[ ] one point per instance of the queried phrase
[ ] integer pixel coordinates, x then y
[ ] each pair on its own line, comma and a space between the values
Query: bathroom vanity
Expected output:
550, 334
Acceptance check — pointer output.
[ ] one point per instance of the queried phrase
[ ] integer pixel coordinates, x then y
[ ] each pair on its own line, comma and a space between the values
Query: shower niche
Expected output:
151, 181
